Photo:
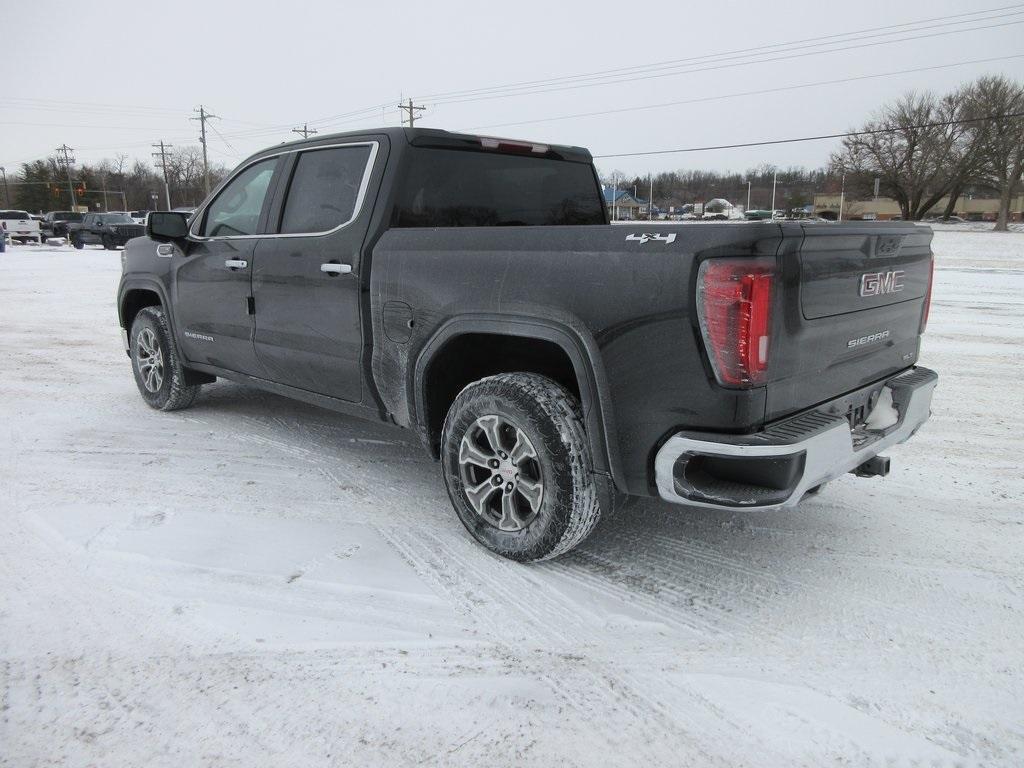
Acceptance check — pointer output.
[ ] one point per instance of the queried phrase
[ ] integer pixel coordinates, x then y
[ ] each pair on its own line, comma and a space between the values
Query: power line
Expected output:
849, 134
716, 67
740, 94
495, 91
749, 51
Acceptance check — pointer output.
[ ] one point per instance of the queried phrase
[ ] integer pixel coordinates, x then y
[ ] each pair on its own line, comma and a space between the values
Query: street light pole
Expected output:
7, 192
748, 194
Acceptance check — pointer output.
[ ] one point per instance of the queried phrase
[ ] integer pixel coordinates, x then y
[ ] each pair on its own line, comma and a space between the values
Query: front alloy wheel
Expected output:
150, 359
159, 374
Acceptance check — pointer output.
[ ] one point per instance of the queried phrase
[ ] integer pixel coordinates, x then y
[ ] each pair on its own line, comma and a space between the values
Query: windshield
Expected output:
116, 218
453, 188
67, 216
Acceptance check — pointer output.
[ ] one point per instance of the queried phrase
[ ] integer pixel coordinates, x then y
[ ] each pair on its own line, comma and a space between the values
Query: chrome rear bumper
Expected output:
779, 465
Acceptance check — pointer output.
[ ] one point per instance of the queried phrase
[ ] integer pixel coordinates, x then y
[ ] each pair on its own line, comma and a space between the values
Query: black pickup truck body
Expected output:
392, 313
107, 229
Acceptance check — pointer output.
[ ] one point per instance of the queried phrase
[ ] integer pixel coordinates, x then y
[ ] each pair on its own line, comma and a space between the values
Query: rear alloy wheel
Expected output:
155, 362
518, 468
77, 242
108, 243
500, 474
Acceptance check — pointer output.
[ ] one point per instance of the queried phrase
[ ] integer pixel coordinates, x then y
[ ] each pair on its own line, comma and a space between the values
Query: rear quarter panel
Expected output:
627, 304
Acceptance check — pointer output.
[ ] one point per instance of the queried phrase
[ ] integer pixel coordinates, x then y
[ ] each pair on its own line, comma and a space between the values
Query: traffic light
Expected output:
55, 190
80, 189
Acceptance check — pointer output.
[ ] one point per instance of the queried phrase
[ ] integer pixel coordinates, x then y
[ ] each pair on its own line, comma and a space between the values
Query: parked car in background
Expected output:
55, 223
139, 217
107, 229
719, 209
19, 225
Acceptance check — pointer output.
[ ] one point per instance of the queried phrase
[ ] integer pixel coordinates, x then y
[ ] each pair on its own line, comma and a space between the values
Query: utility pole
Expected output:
748, 194
775, 180
162, 165
203, 117
103, 182
305, 130
7, 192
65, 159
842, 196
650, 201
410, 109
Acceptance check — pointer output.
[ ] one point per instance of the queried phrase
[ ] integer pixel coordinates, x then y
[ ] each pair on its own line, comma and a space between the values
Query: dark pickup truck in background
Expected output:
107, 229
55, 223
471, 289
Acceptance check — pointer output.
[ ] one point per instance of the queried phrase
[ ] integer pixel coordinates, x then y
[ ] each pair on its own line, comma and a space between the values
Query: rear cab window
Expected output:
326, 188
466, 188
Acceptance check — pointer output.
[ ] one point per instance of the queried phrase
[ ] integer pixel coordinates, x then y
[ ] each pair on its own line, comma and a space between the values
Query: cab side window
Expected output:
324, 189
236, 210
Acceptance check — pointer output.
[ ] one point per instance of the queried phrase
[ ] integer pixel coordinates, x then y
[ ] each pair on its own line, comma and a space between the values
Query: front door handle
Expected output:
333, 268
236, 263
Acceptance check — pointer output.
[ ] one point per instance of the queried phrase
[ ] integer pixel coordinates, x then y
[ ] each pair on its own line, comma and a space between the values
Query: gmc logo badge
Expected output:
881, 283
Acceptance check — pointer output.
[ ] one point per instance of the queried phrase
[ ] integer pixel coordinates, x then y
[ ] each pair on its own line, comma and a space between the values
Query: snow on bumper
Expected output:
778, 466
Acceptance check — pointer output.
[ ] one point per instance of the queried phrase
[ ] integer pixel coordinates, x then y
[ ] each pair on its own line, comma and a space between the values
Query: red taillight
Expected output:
928, 295
734, 304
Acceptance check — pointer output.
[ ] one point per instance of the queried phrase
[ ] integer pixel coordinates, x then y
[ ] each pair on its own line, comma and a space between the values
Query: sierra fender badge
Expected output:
669, 238
199, 336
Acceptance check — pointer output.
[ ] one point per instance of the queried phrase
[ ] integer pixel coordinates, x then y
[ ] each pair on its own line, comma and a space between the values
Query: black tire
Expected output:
77, 243
168, 390
108, 243
551, 420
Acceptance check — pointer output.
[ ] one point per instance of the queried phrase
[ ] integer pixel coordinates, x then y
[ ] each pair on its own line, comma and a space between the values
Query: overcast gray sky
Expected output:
109, 77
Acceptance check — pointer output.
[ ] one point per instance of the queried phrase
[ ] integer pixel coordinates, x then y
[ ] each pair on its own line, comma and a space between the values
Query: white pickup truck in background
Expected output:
18, 225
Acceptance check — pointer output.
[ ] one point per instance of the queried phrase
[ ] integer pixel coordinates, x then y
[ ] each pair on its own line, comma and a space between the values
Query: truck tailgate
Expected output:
862, 289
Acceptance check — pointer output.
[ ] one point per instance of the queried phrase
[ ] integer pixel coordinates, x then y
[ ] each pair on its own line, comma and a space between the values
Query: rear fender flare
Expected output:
582, 352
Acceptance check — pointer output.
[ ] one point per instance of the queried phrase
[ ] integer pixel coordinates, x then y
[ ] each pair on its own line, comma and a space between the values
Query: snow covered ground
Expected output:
257, 582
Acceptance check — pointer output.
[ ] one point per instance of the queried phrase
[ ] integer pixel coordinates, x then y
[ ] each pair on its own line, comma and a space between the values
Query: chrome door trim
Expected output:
360, 196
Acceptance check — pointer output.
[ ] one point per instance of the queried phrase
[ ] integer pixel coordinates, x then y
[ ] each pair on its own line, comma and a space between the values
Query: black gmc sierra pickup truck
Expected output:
107, 229
472, 289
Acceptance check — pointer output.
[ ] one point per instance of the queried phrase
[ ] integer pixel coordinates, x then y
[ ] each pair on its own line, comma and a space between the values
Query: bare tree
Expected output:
1000, 142
915, 147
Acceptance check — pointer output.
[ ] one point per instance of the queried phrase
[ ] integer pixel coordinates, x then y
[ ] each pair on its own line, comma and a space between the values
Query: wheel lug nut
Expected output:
493, 463
496, 480
508, 487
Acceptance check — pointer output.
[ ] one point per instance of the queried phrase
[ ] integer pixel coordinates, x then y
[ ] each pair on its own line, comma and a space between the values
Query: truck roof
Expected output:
435, 137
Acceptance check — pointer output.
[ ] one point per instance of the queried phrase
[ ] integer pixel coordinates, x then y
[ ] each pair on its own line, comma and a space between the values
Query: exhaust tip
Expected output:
876, 466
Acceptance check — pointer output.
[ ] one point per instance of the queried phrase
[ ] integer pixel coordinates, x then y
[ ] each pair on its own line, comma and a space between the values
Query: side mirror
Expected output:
167, 225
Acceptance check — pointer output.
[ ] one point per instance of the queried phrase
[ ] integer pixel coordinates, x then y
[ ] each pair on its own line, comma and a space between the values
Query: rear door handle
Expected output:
236, 264
333, 268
